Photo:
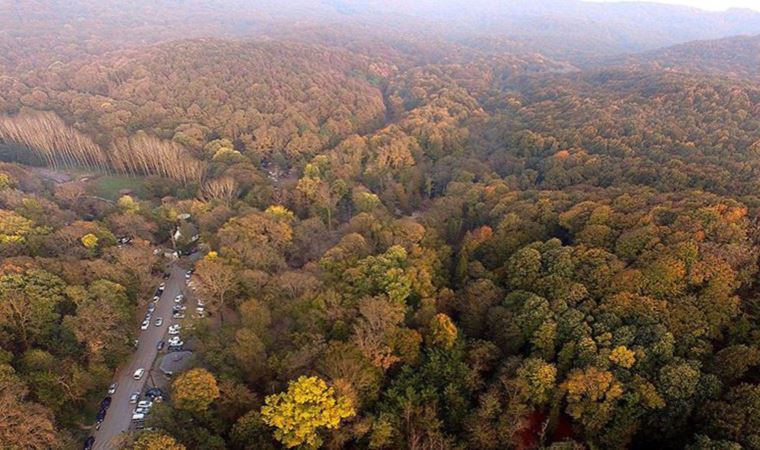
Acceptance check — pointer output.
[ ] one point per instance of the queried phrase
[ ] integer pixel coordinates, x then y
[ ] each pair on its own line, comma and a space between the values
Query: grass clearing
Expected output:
108, 186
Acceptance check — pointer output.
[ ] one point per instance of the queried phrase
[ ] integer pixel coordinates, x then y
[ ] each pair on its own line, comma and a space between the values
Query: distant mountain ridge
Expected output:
559, 25
735, 57
569, 30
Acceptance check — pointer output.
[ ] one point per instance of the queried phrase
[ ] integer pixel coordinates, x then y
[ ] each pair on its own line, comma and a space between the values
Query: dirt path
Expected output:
119, 415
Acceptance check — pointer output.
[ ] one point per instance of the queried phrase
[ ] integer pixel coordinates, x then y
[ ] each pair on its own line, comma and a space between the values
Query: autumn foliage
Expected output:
306, 407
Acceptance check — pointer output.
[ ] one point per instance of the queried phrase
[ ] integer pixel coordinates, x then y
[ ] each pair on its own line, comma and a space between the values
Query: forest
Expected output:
430, 240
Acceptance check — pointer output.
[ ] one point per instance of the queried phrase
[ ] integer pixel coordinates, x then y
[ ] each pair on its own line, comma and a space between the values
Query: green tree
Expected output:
536, 380
14, 228
29, 304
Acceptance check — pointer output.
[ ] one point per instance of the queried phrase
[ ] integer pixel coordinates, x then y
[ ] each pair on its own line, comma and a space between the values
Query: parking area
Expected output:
138, 383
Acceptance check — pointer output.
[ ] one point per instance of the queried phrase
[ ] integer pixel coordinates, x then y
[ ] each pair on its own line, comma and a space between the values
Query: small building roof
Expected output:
174, 362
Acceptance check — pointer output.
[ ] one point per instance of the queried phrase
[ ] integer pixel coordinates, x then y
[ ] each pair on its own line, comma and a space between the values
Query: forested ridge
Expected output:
406, 241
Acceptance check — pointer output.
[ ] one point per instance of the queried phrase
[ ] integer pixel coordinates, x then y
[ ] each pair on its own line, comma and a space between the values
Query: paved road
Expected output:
119, 415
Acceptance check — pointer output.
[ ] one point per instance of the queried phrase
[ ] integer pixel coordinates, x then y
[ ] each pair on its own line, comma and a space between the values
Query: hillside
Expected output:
734, 57
378, 225
568, 30
274, 99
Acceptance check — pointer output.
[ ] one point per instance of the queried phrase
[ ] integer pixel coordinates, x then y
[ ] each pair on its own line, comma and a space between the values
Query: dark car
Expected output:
101, 415
160, 345
89, 443
154, 393
166, 275
105, 403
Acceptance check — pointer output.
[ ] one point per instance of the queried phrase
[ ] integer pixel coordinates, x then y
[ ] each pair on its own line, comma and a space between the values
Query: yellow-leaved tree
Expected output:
194, 390
156, 441
89, 240
306, 407
442, 331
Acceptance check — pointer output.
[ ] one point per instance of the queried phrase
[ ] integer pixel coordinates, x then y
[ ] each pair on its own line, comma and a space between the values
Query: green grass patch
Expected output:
108, 186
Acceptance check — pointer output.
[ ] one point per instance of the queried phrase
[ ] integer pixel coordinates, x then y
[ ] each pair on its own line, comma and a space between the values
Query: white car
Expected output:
159, 321
174, 329
145, 404
176, 344
134, 398
200, 303
112, 388
151, 307
174, 339
145, 324
138, 373
156, 298
138, 417
188, 274
179, 298
162, 285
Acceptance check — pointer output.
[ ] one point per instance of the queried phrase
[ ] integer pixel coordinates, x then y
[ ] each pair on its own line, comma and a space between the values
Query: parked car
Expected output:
133, 399
156, 298
112, 388
154, 393
145, 324
138, 373
174, 329
151, 307
145, 404
101, 415
160, 345
162, 285
89, 443
159, 321
138, 417
179, 298
178, 316
188, 274
105, 403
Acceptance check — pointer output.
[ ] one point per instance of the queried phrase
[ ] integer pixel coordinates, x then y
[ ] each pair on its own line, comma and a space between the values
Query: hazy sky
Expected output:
714, 5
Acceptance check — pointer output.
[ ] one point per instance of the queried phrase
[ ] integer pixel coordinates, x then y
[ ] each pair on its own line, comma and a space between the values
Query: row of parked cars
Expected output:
143, 407
152, 308
100, 416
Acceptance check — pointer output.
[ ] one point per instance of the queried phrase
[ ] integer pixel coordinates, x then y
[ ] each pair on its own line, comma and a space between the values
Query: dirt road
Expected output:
119, 415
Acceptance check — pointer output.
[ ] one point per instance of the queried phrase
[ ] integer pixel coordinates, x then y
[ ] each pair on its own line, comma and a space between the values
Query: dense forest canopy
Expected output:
537, 229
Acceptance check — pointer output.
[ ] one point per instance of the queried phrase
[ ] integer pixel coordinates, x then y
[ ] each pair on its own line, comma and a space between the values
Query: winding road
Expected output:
119, 417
